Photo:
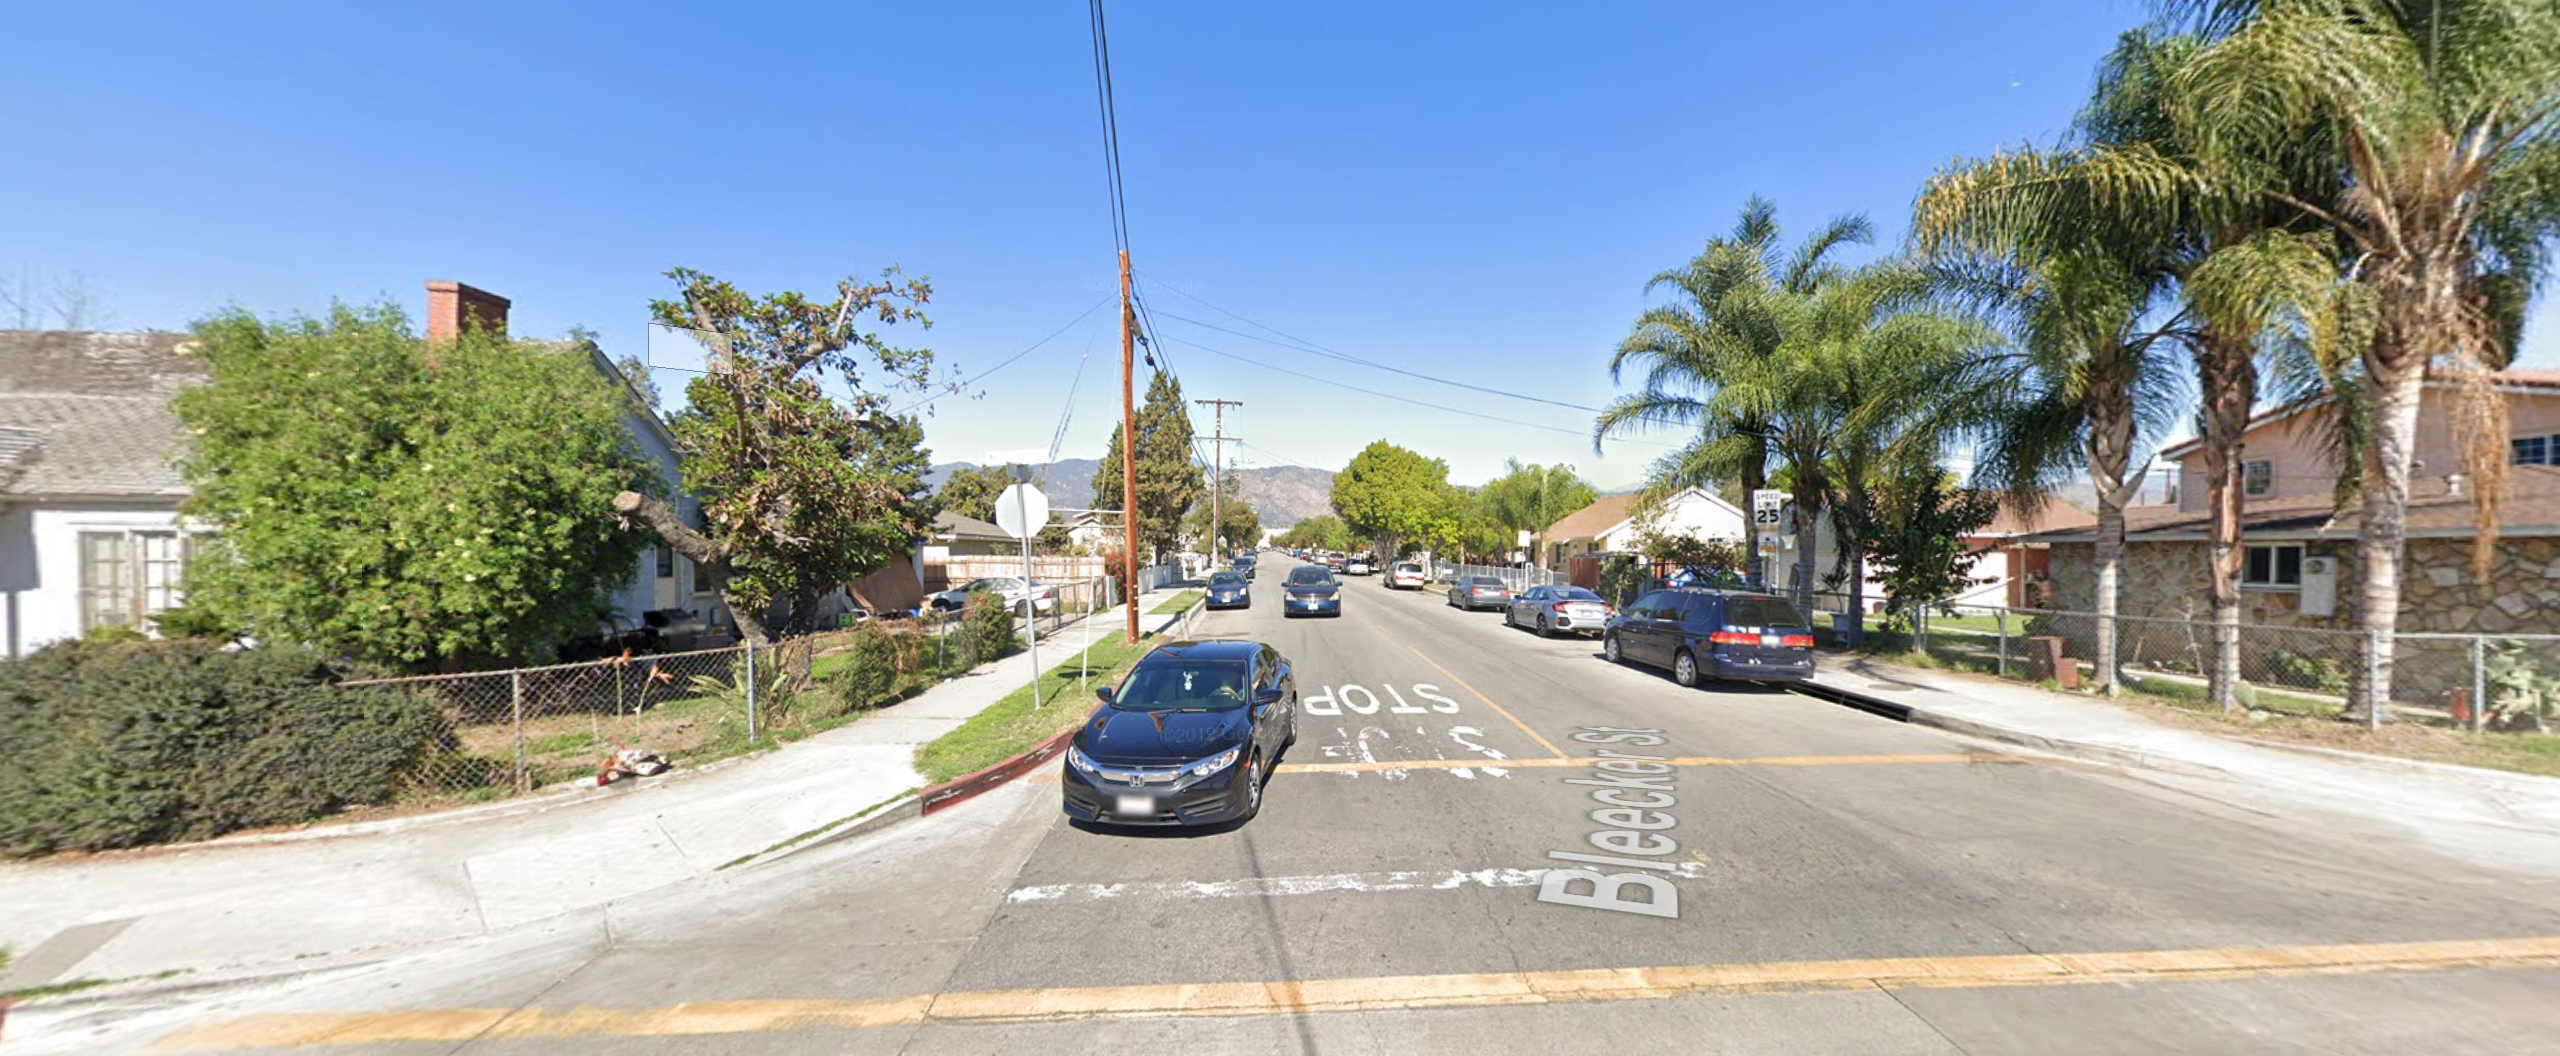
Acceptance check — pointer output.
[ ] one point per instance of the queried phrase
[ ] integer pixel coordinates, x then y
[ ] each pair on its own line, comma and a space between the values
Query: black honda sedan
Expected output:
1186, 739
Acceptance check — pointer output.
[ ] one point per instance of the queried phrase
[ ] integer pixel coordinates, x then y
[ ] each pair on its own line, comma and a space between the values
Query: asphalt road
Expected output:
1844, 884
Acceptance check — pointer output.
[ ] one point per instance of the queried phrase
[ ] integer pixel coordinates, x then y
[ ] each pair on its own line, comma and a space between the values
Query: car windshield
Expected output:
1226, 579
1310, 577
1182, 686
1576, 594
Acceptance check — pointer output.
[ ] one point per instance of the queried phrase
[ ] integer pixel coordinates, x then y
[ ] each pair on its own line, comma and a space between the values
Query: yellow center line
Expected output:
1050, 777
710, 1018
1488, 701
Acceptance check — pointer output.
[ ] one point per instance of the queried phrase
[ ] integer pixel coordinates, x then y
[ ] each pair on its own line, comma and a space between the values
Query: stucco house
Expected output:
2299, 565
1612, 524
90, 534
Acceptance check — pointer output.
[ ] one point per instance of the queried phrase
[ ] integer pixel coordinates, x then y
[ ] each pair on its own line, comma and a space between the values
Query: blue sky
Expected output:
1467, 190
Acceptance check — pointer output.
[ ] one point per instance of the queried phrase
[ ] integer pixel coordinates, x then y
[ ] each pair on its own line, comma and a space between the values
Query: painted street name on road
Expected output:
1633, 788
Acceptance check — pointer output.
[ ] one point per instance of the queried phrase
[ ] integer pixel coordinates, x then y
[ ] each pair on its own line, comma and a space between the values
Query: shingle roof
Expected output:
87, 413
2532, 506
965, 527
1594, 519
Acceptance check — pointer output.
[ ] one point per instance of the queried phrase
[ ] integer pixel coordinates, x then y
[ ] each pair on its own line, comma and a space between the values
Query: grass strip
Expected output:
1011, 726
1178, 603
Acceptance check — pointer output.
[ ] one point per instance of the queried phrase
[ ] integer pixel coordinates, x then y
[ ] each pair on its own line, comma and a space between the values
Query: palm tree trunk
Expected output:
1755, 476
2229, 375
2397, 380
1808, 531
2111, 428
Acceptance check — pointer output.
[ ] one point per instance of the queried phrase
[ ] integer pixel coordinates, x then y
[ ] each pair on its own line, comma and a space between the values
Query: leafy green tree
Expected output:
1323, 531
1388, 496
972, 492
1241, 527
634, 370
803, 491
1532, 498
1917, 542
423, 507
1169, 474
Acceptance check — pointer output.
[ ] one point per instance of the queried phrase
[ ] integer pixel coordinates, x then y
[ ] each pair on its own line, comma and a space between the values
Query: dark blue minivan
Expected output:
1701, 634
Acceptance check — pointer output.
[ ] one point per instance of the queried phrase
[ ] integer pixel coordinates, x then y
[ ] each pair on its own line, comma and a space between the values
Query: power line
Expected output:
1302, 346
1401, 398
1009, 360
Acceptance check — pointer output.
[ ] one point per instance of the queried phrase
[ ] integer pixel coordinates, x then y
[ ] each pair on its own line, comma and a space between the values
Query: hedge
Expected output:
120, 744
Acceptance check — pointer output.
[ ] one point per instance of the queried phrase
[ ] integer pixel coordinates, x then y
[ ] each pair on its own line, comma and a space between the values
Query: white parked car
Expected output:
1355, 566
1012, 588
1407, 575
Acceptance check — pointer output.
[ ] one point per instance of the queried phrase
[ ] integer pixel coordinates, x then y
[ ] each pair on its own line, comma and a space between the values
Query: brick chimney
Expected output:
452, 306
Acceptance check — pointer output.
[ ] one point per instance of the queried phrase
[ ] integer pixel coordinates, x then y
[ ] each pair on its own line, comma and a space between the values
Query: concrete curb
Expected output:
958, 790
865, 822
2500, 780
2098, 753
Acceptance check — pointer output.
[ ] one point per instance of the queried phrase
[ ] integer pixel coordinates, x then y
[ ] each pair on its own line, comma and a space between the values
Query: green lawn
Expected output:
1010, 726
1178, 603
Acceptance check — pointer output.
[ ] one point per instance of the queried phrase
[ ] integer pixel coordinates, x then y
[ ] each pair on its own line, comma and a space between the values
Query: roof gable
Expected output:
86, 413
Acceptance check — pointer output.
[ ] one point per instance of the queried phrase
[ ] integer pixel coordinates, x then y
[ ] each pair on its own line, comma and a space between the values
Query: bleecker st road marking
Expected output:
1633, 791
1377, 993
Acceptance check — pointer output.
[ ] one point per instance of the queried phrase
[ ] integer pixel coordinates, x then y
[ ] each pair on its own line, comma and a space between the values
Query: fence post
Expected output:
2479, 683
2373, 693
515, 692
751, 692
2000, 619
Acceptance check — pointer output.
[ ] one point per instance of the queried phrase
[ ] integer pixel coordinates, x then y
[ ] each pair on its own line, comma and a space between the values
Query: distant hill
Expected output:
1281, 495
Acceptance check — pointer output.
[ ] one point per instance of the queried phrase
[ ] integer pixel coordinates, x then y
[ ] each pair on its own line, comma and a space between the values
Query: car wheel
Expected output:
1609, 648
1293, 727
1252, 789
1545, 629
1684, 669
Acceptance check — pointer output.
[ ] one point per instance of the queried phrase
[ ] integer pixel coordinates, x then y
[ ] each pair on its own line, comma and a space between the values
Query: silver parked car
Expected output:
1010, 588
1547, 610
1478, 592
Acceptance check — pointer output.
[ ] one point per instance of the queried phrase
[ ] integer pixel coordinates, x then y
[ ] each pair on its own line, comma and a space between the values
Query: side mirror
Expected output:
1266, 698
1102, 693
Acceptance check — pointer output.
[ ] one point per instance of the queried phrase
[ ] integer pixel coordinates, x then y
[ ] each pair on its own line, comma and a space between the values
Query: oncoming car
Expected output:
1230, 590
1311, 591
1187, 738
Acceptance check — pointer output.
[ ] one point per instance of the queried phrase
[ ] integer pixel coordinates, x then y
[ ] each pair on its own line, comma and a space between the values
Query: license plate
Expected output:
1769, 640
1138, 806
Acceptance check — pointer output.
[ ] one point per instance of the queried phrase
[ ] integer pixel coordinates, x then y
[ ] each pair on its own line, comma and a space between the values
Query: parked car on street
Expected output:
1311, 591
1010, 588
1333, 562
1230, 590
1547, 610
1244, 565
1187, 738
1356, 565
1702, 634
1407, 575
1478, 592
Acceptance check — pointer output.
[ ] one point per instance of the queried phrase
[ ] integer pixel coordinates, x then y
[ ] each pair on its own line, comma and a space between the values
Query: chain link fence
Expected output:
2475, 681
516, 731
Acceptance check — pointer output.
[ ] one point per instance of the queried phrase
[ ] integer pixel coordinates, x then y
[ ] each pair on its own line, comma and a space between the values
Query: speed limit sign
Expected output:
1765, 506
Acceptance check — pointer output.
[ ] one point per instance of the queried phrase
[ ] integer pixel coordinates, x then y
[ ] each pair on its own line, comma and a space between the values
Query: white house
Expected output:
89, 488
1612, 524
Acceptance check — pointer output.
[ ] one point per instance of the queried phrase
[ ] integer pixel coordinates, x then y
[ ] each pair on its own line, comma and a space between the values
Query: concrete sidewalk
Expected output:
332, 895
2436, 795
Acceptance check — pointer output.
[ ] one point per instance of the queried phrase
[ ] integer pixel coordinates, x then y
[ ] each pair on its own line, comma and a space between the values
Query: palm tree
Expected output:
1532, 498
1734, 305
2095, 372
2442, 119
2129, 196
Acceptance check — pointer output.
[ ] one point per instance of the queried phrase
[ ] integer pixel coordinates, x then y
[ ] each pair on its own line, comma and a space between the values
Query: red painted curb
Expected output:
960, 789
4, 1018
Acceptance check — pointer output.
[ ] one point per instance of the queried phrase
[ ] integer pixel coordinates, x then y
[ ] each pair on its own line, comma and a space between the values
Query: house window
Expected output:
2537, 450
125, 577
2257, 478
666, 562
2272, 568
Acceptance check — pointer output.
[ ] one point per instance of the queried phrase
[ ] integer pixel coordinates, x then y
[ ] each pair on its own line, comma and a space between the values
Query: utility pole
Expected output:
1129, 442
1217, 459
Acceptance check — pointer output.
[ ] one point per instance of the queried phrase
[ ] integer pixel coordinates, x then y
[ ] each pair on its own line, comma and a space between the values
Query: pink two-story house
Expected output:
2299, 565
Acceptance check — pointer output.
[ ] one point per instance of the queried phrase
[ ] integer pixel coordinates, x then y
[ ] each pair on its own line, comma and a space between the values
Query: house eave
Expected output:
2308, 535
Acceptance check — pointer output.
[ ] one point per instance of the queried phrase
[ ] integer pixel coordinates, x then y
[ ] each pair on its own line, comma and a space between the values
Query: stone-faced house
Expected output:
2299, 566
90, 534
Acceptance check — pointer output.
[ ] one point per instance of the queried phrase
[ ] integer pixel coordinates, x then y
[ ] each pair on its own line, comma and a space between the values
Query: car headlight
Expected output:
1215, 763
1076, 758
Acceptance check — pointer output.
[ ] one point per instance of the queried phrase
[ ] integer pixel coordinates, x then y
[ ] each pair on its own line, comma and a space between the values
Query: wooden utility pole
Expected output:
1129, 440
1217, 460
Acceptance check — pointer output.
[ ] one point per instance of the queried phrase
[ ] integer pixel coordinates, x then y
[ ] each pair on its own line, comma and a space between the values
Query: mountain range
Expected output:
1281, 495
